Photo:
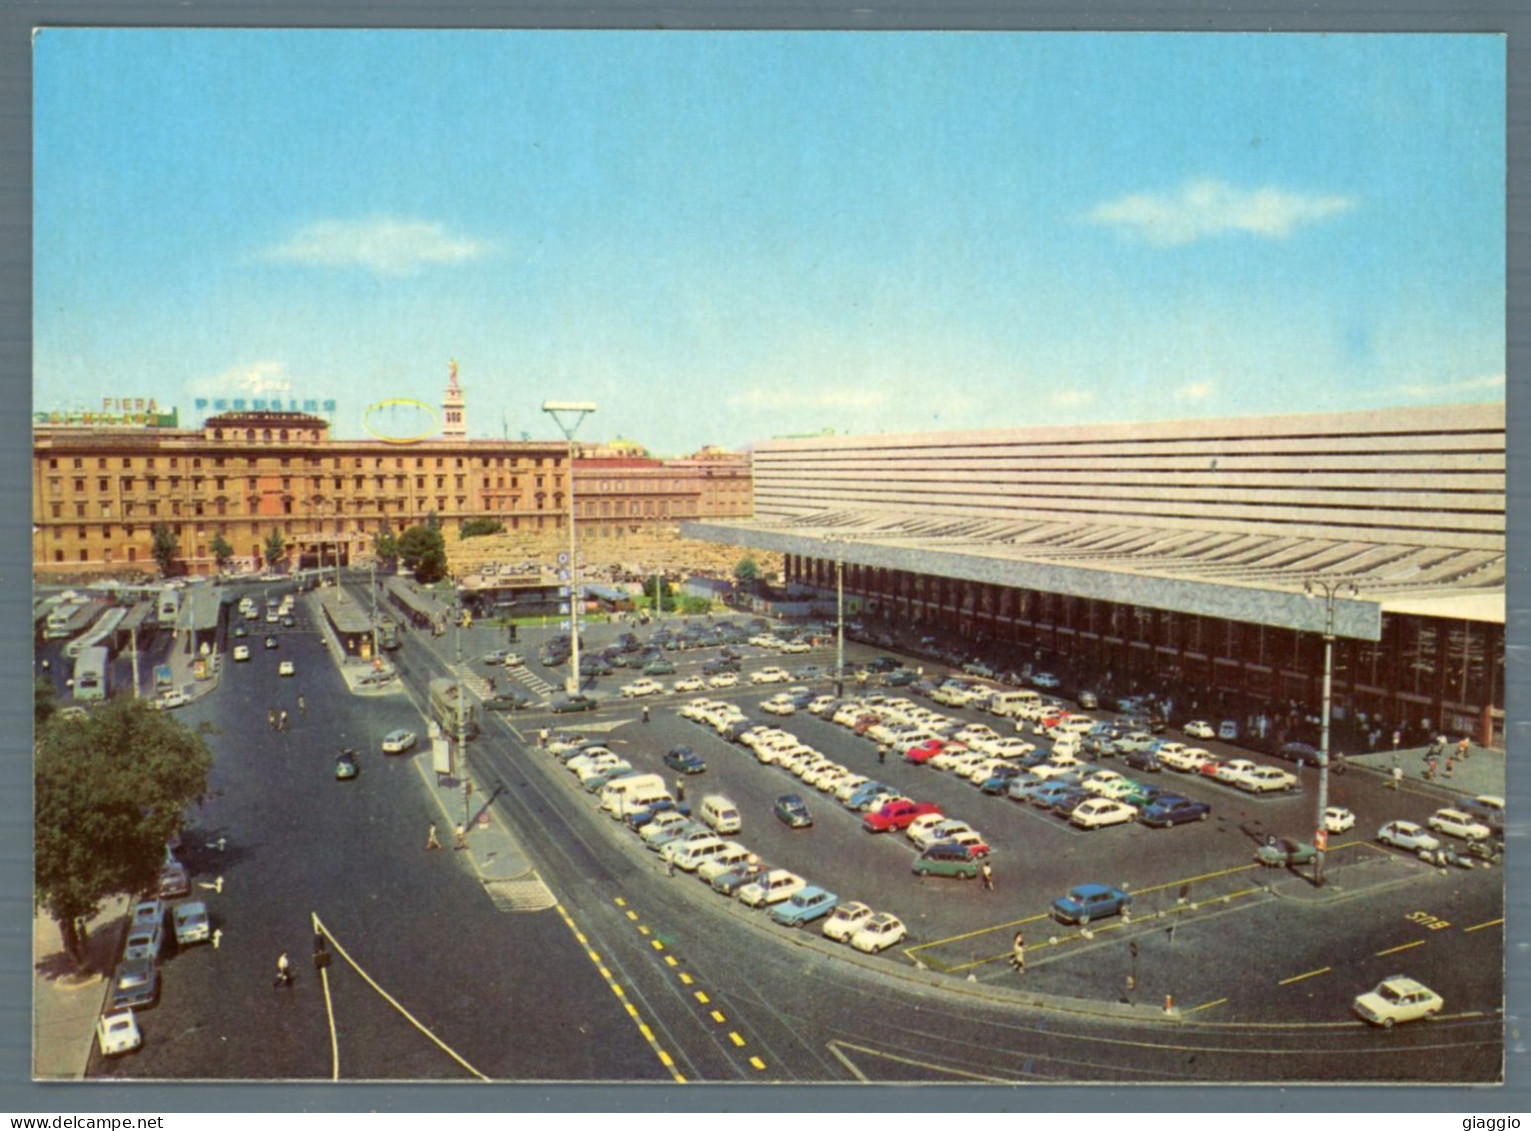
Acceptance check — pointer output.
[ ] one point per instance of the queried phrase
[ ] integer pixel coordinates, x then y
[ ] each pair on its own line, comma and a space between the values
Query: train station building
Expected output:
1194, 559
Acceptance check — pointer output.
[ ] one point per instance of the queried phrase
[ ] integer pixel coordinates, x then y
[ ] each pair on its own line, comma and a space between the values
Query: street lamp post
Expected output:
1329, 590
569, 415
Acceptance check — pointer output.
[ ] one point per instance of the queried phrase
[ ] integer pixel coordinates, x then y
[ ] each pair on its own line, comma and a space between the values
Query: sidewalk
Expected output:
65, 1004
1482, 772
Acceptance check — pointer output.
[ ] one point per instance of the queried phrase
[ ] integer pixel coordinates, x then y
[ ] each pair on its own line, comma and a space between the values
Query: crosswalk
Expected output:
526, 893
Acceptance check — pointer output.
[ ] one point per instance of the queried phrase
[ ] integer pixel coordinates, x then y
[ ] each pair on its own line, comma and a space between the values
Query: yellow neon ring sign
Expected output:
394, 402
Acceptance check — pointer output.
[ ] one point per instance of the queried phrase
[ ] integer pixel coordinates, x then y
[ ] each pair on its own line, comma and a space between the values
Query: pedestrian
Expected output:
645, 713
430, 840
283, 971
462, 838
281, 720
271, 719
882, 753
669, 866
1430, 768
988, 876
1463, 747
680, 790
1397, 777
491, 685
1451, 763
1018, 953
542, 737
302, 705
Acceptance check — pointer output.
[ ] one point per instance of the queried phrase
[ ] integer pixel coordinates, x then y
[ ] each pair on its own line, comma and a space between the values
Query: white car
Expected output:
398, 741
513, 660
1098, 812
1045, 679
773, 887
1398, 999
724, 679
1199, 728
846, 920
919, 828
241, 652
779, 707
602, 768
690, 683
1454, 822
794, 647
947, 828
659, 823
848, 785
976, 734
1188, 759
641, 687
286, 668
1230, 772
1338, 820
1407, 835
770, 675
878, 933
1266, 779
1008, 747
1105, 783
117, 1033
171, 700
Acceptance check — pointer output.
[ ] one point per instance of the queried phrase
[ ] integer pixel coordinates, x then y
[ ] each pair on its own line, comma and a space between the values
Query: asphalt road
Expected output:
1261, 967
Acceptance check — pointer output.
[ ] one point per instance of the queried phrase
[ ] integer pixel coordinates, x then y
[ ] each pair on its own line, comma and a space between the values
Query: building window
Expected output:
132, 553
79, 510
58, 510
53, 464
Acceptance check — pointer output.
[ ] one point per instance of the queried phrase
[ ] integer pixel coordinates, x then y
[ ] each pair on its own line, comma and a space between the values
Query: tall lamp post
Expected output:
839, 546
569, 415
1329, 590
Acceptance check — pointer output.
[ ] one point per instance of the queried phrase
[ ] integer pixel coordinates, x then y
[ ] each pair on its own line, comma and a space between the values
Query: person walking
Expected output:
645, 714
882, 753
1451, 764
491, 685
1463, 747
680, 789
988, 876
1018, 953
462, 838
542, 737
1395, 781
302, 705
271, 718
281, 720
283, 971
430, 839
1430, 768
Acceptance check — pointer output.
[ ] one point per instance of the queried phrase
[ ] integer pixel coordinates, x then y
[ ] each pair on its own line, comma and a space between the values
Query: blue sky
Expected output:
721, 238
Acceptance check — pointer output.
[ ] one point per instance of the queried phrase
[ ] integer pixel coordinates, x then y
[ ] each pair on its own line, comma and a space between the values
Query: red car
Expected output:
1210, 767
897, 815
926, 750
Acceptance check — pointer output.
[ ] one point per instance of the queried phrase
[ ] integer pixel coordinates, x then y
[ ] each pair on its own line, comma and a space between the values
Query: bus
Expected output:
169, 604
445, 706
90, 674
102, 633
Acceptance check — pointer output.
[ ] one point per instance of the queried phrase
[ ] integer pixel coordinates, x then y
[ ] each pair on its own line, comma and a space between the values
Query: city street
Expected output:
1257, 965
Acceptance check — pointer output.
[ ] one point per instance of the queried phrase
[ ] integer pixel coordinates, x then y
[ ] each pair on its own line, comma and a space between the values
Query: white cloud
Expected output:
1197, 391
256, 379
1209, 208
381, 244
1073, 397
786, 397
1429, 391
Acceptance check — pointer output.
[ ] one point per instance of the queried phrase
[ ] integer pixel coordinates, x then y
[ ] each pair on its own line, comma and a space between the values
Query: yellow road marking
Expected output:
669, 960
1480, 926
685, 978
620, 902
718, 1017
632, 1010
642, 930
648, 1033
758, 1063
737, 1039
1309, 974
1206, 1005
632, 915
701, 996
656, 944
616, 989
1405, 946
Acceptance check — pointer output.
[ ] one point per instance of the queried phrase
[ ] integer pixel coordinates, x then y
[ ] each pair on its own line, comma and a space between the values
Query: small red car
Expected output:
897, 815
926, 750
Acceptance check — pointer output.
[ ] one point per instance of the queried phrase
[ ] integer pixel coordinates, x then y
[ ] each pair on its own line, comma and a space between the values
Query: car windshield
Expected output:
1388, 994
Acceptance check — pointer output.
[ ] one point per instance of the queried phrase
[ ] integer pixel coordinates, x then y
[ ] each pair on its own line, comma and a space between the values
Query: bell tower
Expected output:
454, 421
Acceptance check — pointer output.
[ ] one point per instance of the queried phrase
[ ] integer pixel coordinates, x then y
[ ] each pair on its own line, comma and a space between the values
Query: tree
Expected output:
166, 546
476, 527
223, 553
386, 547
669, 596
423, 550
111, 789
746, 571
276, 549
44, 701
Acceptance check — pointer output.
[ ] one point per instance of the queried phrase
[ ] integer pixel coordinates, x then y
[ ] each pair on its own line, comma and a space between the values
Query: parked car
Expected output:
1168, 809
723, 679
896, 815
398, 741
1407, 835
135, 984
946, 858
1266, 779
807, 905
770, 675
346, 767
642, 687
564, 704
174, 880
192, 924
1199, 729
118, 1033
878, 933
1279, 852
774, 887
846, 920
1144, 759
1088, 903
241, 652
1100, 812
1398, 999
791, 811
1228, 731
1338, 820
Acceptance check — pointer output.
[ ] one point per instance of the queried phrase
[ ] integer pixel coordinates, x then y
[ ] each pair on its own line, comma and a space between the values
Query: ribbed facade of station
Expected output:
1177, 556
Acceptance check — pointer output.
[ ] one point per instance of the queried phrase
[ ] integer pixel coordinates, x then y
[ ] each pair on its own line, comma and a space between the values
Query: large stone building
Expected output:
1177, 556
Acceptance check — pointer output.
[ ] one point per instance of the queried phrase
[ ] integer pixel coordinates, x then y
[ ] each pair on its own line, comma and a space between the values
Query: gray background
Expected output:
18, 1095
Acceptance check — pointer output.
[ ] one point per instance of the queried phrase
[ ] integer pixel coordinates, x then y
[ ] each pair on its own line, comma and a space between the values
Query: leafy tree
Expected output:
669, 596
476, 527
695, 606
166, 546
111, 789
223, 553
386, 547
423, 550
746, 571
276, 549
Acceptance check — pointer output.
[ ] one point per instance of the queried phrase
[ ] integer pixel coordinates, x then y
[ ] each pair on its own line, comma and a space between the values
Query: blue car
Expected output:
807, 905
791, 811
1051, 793
686, 760
637, 818
997, 782
1167, 810
1089, 902
864, 793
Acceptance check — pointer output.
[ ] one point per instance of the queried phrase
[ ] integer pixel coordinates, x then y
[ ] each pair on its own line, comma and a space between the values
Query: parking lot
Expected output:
1195, 888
